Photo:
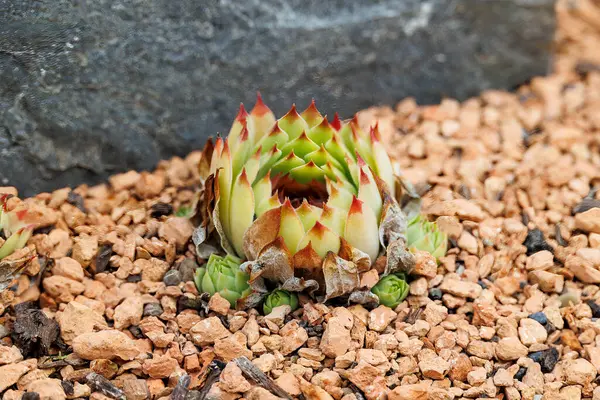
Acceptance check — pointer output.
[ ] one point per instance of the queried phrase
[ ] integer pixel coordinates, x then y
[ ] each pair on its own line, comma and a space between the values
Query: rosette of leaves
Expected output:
309, 202
223, 275
424, 235
391, 290
278, 298
17, 227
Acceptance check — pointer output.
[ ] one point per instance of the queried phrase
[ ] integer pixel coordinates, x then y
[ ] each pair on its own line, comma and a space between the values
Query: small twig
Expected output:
252, 372
181, 389
104, 386
212, 376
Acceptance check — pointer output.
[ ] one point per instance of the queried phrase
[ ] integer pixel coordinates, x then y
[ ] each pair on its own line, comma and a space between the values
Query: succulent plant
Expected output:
15, 226
425, 235
391, 290
223, 275
301, 197
278, 298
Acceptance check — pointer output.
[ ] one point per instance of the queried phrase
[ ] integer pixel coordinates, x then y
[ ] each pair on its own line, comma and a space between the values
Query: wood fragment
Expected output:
104, 386
181, 389
252, 372
33, 332
212, 376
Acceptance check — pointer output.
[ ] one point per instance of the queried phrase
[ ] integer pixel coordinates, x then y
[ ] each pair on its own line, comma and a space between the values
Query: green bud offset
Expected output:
425, 236
308, 202
280, 298
391, 290
223, 275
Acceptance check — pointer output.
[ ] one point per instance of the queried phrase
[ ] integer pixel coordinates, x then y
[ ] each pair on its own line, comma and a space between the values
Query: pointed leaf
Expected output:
293, 124
322, 240
241, 212
321, 133
307, 173
311, 115
301, 146
368, 191
361, 229
290, 227
308, 214
262, 118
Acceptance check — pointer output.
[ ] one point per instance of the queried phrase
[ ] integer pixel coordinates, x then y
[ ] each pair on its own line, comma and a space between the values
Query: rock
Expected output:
589, 220
152, 310
48, 389
288, 382
172, 278
540, 261
410, 392
77, 319
380, 318
177, 229
583, 269
62, 288
10, 374
67, 267
461, 288
147, 120
460, 368
153, 269
136, 389
107, 344
232, 380
219, 304
294, 336
10, 355
535, 242
232, 347
278, 314
85, 249
160, 367
546, 358
531, 332
510, 348
547, 281
336, 338
207, 331
434, 367
257, 393
579, 372
129, 312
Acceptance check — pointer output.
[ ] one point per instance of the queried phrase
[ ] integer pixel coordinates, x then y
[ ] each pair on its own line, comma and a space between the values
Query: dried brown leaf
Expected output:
341, 276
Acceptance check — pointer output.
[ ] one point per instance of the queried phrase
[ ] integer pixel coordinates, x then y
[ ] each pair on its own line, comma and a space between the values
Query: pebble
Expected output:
207, 331
172, 278
77, 319
108, 344
546, 358
152, 310
510, 348
336, 338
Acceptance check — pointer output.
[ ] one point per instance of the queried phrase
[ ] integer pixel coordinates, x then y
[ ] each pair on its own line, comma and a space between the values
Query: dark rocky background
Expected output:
93, 87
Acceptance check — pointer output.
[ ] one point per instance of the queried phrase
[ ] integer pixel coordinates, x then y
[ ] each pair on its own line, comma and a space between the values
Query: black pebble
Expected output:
539, 317
535, 242
136, 331
152, 310
546, 358
172, 278
482, 284
30, 396
160, 209
68, 387
187, 268
134, 278
595, 308
520, 373
435, 294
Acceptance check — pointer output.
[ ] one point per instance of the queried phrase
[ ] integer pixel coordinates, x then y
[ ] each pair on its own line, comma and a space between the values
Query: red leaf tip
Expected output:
242, 113
260, 108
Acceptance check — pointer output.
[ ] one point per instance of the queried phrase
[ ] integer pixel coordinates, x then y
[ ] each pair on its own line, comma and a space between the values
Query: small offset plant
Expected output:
391, 290
223, 275
15, 228
280, 298
425, 236
308, 202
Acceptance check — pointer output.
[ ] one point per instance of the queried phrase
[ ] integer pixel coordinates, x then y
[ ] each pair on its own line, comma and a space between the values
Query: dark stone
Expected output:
539, 317
546, 358
585, 205
595, 308
30, 396
435, 294
90, 88
159, 209
134, 278
535, 242
136, 331
68, 387
152, 310
172, 278
33, 332
187, 268
520, 373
